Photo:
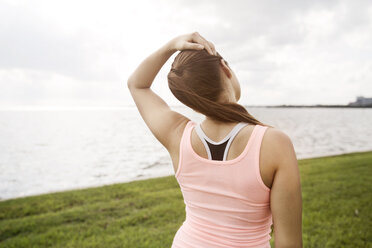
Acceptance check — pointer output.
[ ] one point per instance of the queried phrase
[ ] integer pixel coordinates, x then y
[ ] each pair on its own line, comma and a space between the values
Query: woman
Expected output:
237, 175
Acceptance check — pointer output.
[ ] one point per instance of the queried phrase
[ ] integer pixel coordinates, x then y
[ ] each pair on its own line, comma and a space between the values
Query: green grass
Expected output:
148, 213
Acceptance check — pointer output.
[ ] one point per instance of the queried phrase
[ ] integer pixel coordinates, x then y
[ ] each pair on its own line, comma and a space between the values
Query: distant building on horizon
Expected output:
362, 101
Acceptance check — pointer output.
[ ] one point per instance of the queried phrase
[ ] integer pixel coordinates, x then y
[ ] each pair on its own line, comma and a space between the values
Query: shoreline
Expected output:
335, 189
148, 177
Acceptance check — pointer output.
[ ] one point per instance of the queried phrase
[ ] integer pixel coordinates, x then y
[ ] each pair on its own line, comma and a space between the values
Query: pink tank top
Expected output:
226, 202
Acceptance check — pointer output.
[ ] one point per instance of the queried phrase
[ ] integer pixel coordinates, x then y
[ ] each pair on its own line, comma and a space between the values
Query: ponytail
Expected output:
195, 80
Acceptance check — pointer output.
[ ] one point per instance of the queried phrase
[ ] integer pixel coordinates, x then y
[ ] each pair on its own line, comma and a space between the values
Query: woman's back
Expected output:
236, 147
227, 202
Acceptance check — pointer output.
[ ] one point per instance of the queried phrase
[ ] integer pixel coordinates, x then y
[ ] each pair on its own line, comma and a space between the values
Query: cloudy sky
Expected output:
80, 53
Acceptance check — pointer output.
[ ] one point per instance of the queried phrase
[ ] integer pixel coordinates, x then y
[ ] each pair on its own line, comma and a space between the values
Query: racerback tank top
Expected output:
226, 202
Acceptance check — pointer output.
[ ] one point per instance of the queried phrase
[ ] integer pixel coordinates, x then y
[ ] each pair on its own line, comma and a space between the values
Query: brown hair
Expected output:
195, 80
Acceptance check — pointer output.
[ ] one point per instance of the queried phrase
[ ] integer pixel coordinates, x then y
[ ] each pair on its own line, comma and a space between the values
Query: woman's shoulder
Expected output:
277, 145
177, 132
277, 136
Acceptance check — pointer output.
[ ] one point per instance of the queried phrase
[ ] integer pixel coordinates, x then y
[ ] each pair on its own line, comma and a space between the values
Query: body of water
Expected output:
45, 151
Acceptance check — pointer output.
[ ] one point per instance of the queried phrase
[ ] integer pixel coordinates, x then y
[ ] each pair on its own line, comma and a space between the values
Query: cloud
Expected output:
287, 52
307, 50
31, 41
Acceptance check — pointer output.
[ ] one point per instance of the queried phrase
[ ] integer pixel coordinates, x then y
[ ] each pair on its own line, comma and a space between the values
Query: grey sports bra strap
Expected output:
203, 137
232, 135
229, 136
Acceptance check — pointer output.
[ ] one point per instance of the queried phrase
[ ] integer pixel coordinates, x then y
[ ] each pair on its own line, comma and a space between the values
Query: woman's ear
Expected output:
226, 68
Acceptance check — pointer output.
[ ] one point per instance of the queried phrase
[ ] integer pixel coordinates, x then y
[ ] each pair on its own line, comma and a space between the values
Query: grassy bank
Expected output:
336, 192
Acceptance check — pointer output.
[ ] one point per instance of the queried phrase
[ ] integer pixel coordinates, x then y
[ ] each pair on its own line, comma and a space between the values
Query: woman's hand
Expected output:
192, 41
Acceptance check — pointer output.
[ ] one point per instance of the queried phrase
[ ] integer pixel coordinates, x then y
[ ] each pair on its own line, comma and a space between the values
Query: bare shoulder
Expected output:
285, 194
176, 133
175, 136
277, 147
277, 137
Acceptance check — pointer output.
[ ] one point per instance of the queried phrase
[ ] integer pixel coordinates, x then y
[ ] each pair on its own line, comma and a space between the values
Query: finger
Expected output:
196, 46
213, 48
199, 39
208, 46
